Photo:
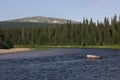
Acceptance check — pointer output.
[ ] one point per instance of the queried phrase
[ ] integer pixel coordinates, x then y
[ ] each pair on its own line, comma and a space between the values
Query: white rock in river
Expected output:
92, 56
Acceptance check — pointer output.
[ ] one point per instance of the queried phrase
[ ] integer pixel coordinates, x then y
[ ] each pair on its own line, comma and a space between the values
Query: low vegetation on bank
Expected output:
35, 47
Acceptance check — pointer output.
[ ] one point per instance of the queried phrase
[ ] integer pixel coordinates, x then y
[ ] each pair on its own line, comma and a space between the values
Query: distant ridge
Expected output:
41, 19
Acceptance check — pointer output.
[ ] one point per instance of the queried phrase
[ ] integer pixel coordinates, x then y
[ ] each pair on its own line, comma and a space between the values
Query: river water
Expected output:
61, 64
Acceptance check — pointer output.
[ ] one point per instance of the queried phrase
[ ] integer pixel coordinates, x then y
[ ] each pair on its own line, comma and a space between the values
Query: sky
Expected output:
68, 9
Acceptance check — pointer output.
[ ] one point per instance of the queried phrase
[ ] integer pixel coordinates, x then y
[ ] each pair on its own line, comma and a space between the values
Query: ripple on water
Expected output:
61, 64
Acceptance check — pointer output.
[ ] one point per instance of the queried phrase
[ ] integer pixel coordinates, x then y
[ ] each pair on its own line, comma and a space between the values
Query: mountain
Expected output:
41, 19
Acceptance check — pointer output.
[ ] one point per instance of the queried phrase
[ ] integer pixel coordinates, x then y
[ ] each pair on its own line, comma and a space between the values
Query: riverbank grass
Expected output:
46, 47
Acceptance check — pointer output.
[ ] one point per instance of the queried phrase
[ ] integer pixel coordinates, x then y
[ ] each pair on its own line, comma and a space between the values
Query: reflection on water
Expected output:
61, 64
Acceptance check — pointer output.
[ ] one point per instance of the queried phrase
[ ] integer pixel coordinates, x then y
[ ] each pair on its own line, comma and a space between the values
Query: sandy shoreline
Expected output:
13, 50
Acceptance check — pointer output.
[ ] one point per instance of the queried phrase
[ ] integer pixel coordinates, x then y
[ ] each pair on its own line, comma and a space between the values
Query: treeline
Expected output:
85, 33
5, 43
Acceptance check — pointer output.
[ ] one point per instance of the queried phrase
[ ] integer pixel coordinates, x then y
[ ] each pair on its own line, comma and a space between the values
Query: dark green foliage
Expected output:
86, 33
5, 43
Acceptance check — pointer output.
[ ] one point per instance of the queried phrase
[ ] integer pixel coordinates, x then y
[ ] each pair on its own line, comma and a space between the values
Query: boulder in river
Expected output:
89, 56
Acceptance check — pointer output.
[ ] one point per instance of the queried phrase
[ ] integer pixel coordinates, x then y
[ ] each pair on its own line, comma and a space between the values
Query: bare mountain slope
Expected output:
41, 19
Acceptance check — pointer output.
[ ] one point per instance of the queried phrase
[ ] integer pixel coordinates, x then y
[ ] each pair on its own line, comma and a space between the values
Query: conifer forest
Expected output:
84, 33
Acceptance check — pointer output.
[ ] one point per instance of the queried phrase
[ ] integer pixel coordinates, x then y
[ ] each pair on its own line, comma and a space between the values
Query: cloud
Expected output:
102, 2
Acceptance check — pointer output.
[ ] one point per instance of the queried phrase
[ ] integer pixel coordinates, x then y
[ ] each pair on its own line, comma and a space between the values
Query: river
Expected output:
61, 64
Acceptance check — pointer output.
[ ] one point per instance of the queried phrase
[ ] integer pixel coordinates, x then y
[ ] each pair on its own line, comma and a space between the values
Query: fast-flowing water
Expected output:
61, 64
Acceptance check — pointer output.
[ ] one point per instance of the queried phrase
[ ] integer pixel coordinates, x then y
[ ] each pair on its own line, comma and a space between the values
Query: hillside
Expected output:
41, 19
